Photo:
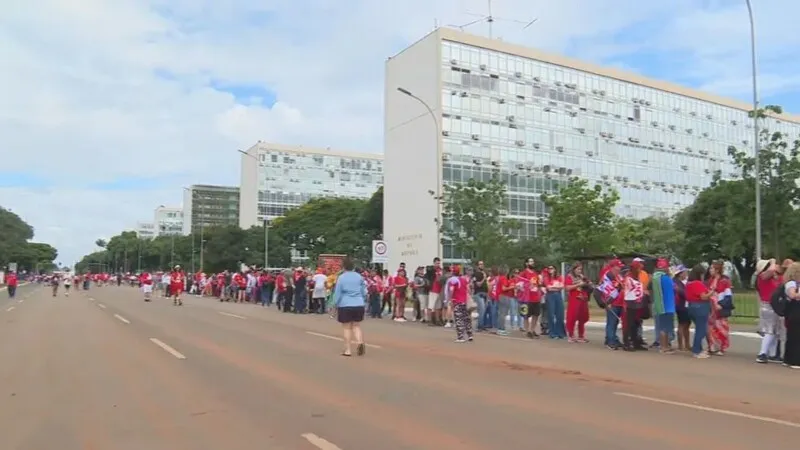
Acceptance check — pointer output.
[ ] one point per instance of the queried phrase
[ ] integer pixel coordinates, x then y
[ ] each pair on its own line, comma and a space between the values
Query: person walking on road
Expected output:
350, 296
11, 283
67, 284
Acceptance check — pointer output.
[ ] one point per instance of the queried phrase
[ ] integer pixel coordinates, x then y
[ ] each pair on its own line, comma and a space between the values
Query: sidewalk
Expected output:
736, 329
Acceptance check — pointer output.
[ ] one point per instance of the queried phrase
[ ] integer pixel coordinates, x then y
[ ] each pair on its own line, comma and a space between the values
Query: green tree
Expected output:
778, 174
326, 225
15, 235
372, 215
652, 235
474, 220
581, 219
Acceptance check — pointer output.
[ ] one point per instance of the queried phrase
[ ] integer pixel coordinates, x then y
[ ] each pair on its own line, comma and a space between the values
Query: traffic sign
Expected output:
380, 252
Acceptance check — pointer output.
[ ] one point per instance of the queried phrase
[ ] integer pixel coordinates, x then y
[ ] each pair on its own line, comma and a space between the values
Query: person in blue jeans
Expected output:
698, 298
554, 299
480, 289
662, 295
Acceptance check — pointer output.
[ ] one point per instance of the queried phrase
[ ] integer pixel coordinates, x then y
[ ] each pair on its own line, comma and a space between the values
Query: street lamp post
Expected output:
266, 221
191, 230
756, 131
438, 141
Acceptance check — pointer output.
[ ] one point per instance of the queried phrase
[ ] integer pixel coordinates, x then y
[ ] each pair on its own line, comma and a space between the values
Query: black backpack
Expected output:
779, 301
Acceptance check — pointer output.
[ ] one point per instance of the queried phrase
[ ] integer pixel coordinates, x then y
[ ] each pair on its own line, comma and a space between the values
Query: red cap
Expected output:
615, 263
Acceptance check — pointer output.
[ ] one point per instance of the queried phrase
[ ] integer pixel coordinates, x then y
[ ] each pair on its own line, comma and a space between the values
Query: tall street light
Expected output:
191, 230
438, 141
756, 131
266, 221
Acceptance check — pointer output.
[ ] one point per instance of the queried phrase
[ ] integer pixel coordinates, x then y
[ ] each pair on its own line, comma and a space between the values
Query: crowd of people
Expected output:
474, 300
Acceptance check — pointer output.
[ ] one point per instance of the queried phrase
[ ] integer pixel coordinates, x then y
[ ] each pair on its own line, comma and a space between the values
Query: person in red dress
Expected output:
176, 285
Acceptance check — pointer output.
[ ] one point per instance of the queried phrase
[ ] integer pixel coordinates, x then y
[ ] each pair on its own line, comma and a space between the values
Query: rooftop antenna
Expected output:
490, 19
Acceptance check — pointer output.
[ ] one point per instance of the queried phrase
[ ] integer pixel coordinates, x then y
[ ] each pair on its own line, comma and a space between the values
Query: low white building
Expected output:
168, 221
145, 230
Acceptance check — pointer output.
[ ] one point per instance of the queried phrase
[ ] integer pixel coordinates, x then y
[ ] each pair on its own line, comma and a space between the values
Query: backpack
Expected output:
779, 301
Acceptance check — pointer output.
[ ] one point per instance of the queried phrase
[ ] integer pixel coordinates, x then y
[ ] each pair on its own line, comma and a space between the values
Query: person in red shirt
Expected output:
11, 283
284, 299
458, 286
399, 286
176, 285
499, 292
530, 297
577, 303
435, 300
698, 300
718, 328
146, 281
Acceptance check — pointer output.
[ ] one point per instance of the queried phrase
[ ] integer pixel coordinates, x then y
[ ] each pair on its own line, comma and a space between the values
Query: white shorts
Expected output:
147, 288
423, 300
434, 301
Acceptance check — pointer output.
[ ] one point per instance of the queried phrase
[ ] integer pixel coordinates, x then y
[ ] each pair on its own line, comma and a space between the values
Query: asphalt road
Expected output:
103, 370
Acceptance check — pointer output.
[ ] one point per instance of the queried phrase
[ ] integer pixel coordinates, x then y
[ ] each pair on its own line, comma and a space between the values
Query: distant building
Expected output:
535, 120
207, 206
168, 221
276, 178
145, 230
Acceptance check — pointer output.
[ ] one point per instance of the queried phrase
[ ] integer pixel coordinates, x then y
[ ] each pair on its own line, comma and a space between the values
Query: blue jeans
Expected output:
613, 314
515, 320
266, 296
300, 301
555, 312
491, 314
664, 322
480, 300
503, 309
699, 312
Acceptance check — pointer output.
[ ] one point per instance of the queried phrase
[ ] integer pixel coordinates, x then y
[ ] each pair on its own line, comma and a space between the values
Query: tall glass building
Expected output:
276, 178
473, 107
207, 206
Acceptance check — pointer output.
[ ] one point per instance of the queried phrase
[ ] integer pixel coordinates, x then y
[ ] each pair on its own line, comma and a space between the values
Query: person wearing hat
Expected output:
176, 285
610, 289
663, 298
635, 298
769, 277
680, 276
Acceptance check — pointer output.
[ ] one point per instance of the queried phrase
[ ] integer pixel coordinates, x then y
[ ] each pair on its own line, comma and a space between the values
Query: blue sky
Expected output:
110, 107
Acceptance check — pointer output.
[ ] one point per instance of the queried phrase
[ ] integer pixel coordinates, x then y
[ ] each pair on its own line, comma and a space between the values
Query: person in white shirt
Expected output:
165, 281
319, 293
67, 284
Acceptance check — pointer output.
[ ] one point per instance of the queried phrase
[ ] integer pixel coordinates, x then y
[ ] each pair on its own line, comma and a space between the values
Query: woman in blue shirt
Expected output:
350, 297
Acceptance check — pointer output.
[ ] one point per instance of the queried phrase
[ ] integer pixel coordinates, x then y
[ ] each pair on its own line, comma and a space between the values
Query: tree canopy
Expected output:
581, 218
15, 245
323, 225
474, 220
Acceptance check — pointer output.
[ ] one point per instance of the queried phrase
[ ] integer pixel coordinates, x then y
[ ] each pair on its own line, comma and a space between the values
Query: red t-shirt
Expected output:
437, 287
11, 279
694, 291
460, 286
146, 279
534, 285
400, 283
575, 294
766, 287
497, 287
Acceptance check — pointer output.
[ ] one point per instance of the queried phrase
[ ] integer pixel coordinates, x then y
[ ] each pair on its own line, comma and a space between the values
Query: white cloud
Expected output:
83, 100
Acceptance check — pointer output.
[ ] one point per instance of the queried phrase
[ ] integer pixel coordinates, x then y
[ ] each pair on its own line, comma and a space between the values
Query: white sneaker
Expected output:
448, 325
460, 341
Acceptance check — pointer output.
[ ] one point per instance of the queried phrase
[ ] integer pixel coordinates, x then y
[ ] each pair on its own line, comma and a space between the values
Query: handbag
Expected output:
471, 303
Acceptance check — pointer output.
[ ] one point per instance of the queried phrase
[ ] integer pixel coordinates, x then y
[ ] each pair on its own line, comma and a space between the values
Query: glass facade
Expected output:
214, 206
536, 124
289, 179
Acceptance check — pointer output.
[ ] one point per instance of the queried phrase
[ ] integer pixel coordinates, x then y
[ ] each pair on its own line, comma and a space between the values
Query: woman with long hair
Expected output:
554, 299
578, 288
679, 280
719, 330
349, 296
791, 355
699, 299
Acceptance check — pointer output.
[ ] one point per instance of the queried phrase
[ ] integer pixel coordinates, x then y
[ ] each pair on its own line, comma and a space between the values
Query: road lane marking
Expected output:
101, 305
334, 338
714, 410
91, 299
20, 300
231, 315
167, 348
10, 308
122, 319
320, 443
